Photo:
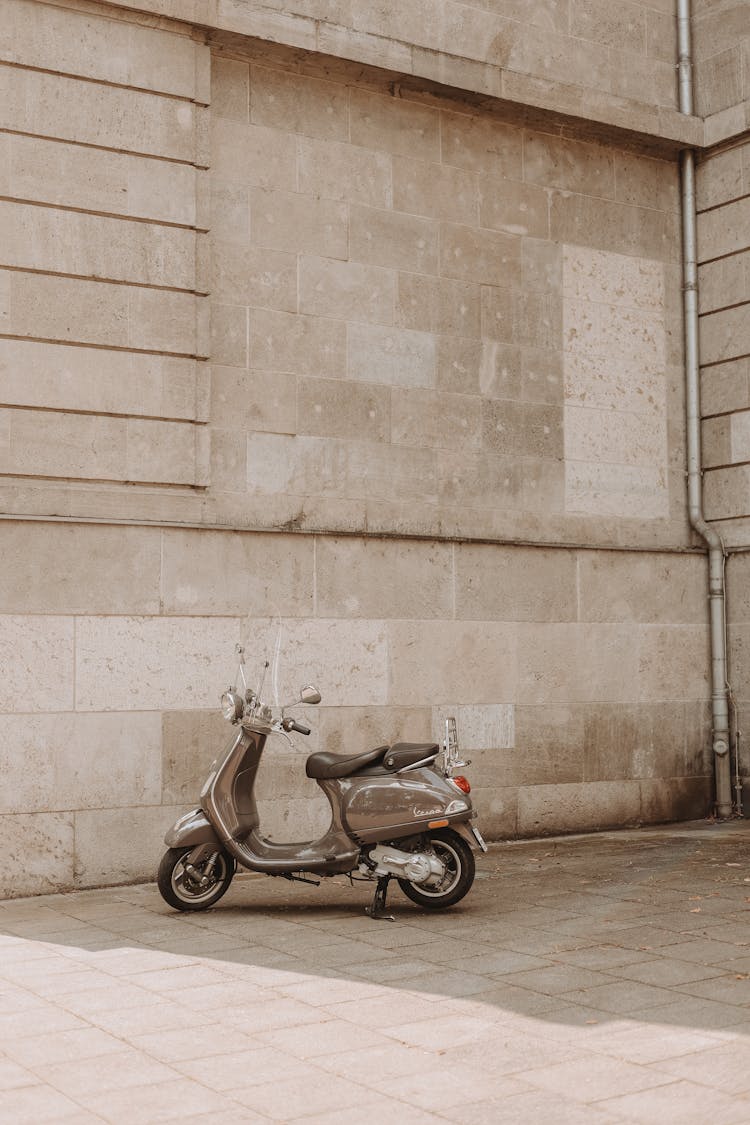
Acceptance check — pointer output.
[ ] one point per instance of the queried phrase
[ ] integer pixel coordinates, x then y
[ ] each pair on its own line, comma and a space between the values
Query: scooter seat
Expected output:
324, 765
404, 754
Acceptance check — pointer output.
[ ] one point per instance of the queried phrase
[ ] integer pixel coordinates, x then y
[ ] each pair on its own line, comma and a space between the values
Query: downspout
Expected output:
716, 554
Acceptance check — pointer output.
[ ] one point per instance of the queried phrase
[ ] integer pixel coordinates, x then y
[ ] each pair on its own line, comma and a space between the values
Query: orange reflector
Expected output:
437, 823
462, 783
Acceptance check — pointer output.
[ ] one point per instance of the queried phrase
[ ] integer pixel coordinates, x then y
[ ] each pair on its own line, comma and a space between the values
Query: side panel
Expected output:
373, 807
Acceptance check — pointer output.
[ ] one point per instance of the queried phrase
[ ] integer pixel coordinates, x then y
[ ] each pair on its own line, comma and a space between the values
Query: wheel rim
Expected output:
451, 860
188, 889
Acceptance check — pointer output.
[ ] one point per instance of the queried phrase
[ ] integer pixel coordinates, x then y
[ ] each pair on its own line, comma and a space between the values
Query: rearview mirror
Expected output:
309, 694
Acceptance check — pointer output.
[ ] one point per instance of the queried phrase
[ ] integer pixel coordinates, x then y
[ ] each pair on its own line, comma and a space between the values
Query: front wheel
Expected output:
187, 890
457, 859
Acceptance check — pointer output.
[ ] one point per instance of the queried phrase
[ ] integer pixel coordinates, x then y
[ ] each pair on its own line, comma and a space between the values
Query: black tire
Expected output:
183, 893
458, 858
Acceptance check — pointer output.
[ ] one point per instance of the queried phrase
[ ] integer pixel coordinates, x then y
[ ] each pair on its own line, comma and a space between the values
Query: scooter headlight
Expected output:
232, 706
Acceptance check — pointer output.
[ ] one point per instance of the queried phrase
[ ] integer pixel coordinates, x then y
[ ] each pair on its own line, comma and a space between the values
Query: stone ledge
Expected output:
663, 129
727, 125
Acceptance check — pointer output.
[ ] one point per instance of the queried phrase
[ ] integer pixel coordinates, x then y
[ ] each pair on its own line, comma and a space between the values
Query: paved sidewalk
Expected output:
594, 979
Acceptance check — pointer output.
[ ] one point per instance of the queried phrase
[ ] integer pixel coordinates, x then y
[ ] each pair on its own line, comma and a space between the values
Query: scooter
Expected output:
395, 813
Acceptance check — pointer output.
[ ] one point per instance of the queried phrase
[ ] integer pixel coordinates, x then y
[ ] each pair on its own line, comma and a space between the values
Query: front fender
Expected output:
190, 830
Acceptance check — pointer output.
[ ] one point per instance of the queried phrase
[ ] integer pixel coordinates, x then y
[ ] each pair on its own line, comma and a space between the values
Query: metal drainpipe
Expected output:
716, 554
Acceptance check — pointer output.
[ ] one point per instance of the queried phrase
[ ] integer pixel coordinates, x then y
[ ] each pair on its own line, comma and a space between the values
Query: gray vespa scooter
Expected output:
394, 814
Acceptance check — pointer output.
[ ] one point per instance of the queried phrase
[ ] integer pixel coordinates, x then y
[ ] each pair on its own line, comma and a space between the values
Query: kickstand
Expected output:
377, 910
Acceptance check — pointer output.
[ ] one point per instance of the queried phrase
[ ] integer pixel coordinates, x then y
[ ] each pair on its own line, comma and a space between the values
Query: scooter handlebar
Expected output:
290, 724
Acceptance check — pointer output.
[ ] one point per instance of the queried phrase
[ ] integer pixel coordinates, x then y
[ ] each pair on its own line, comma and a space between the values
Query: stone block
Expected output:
190, 741
337, 408
718, 178
670, 589
249, 274
230, 211
623, 27
253, 400
480, 480
353, 730
623, 491
515, 583
570, 663
45, 239
347, 660
497, 810
259, 574
295, 103
481, 144
673, 663
97, 381
48, 171
394, 124
725, 388
725, 335
120, 845
738, 588
107, 50
548, 745
228, 462
394, 356
37, 657
417, 24
152, 664
346, 290
77, 568
67, 109
647, 182
593, 274
481, 367
393, 240
676, 799
305, 345
556, 162
606, 436
253, 155
515, 208
542, 375
229, 334
545, 810
373, 50
349, 173
39, 853
483, 728
523, 429
435, 419
312, 468
437, 191
430, 304
616, 227
299, 224
541, 264
230, 88
383, 579
52, 444
723, 282
723, 230
490, 257
716, 442
63, 762
432, 663
634, 741
460, 73
163, 452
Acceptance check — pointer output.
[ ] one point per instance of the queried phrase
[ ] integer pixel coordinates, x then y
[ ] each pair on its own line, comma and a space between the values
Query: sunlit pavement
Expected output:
589, 979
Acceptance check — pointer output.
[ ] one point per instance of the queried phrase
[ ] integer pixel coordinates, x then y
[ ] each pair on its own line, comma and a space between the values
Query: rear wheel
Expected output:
186, 890
457, 859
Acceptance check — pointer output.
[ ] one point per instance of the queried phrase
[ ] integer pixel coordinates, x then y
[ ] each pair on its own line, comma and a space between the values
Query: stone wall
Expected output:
285, 332
579, 680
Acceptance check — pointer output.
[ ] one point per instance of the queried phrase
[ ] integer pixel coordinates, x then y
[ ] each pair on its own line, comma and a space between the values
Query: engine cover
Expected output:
416, 867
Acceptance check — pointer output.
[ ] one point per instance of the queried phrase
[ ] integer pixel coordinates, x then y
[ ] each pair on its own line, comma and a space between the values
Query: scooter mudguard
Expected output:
190, 830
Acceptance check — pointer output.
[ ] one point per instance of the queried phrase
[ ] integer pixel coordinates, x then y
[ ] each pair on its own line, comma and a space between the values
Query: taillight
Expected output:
461, 783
